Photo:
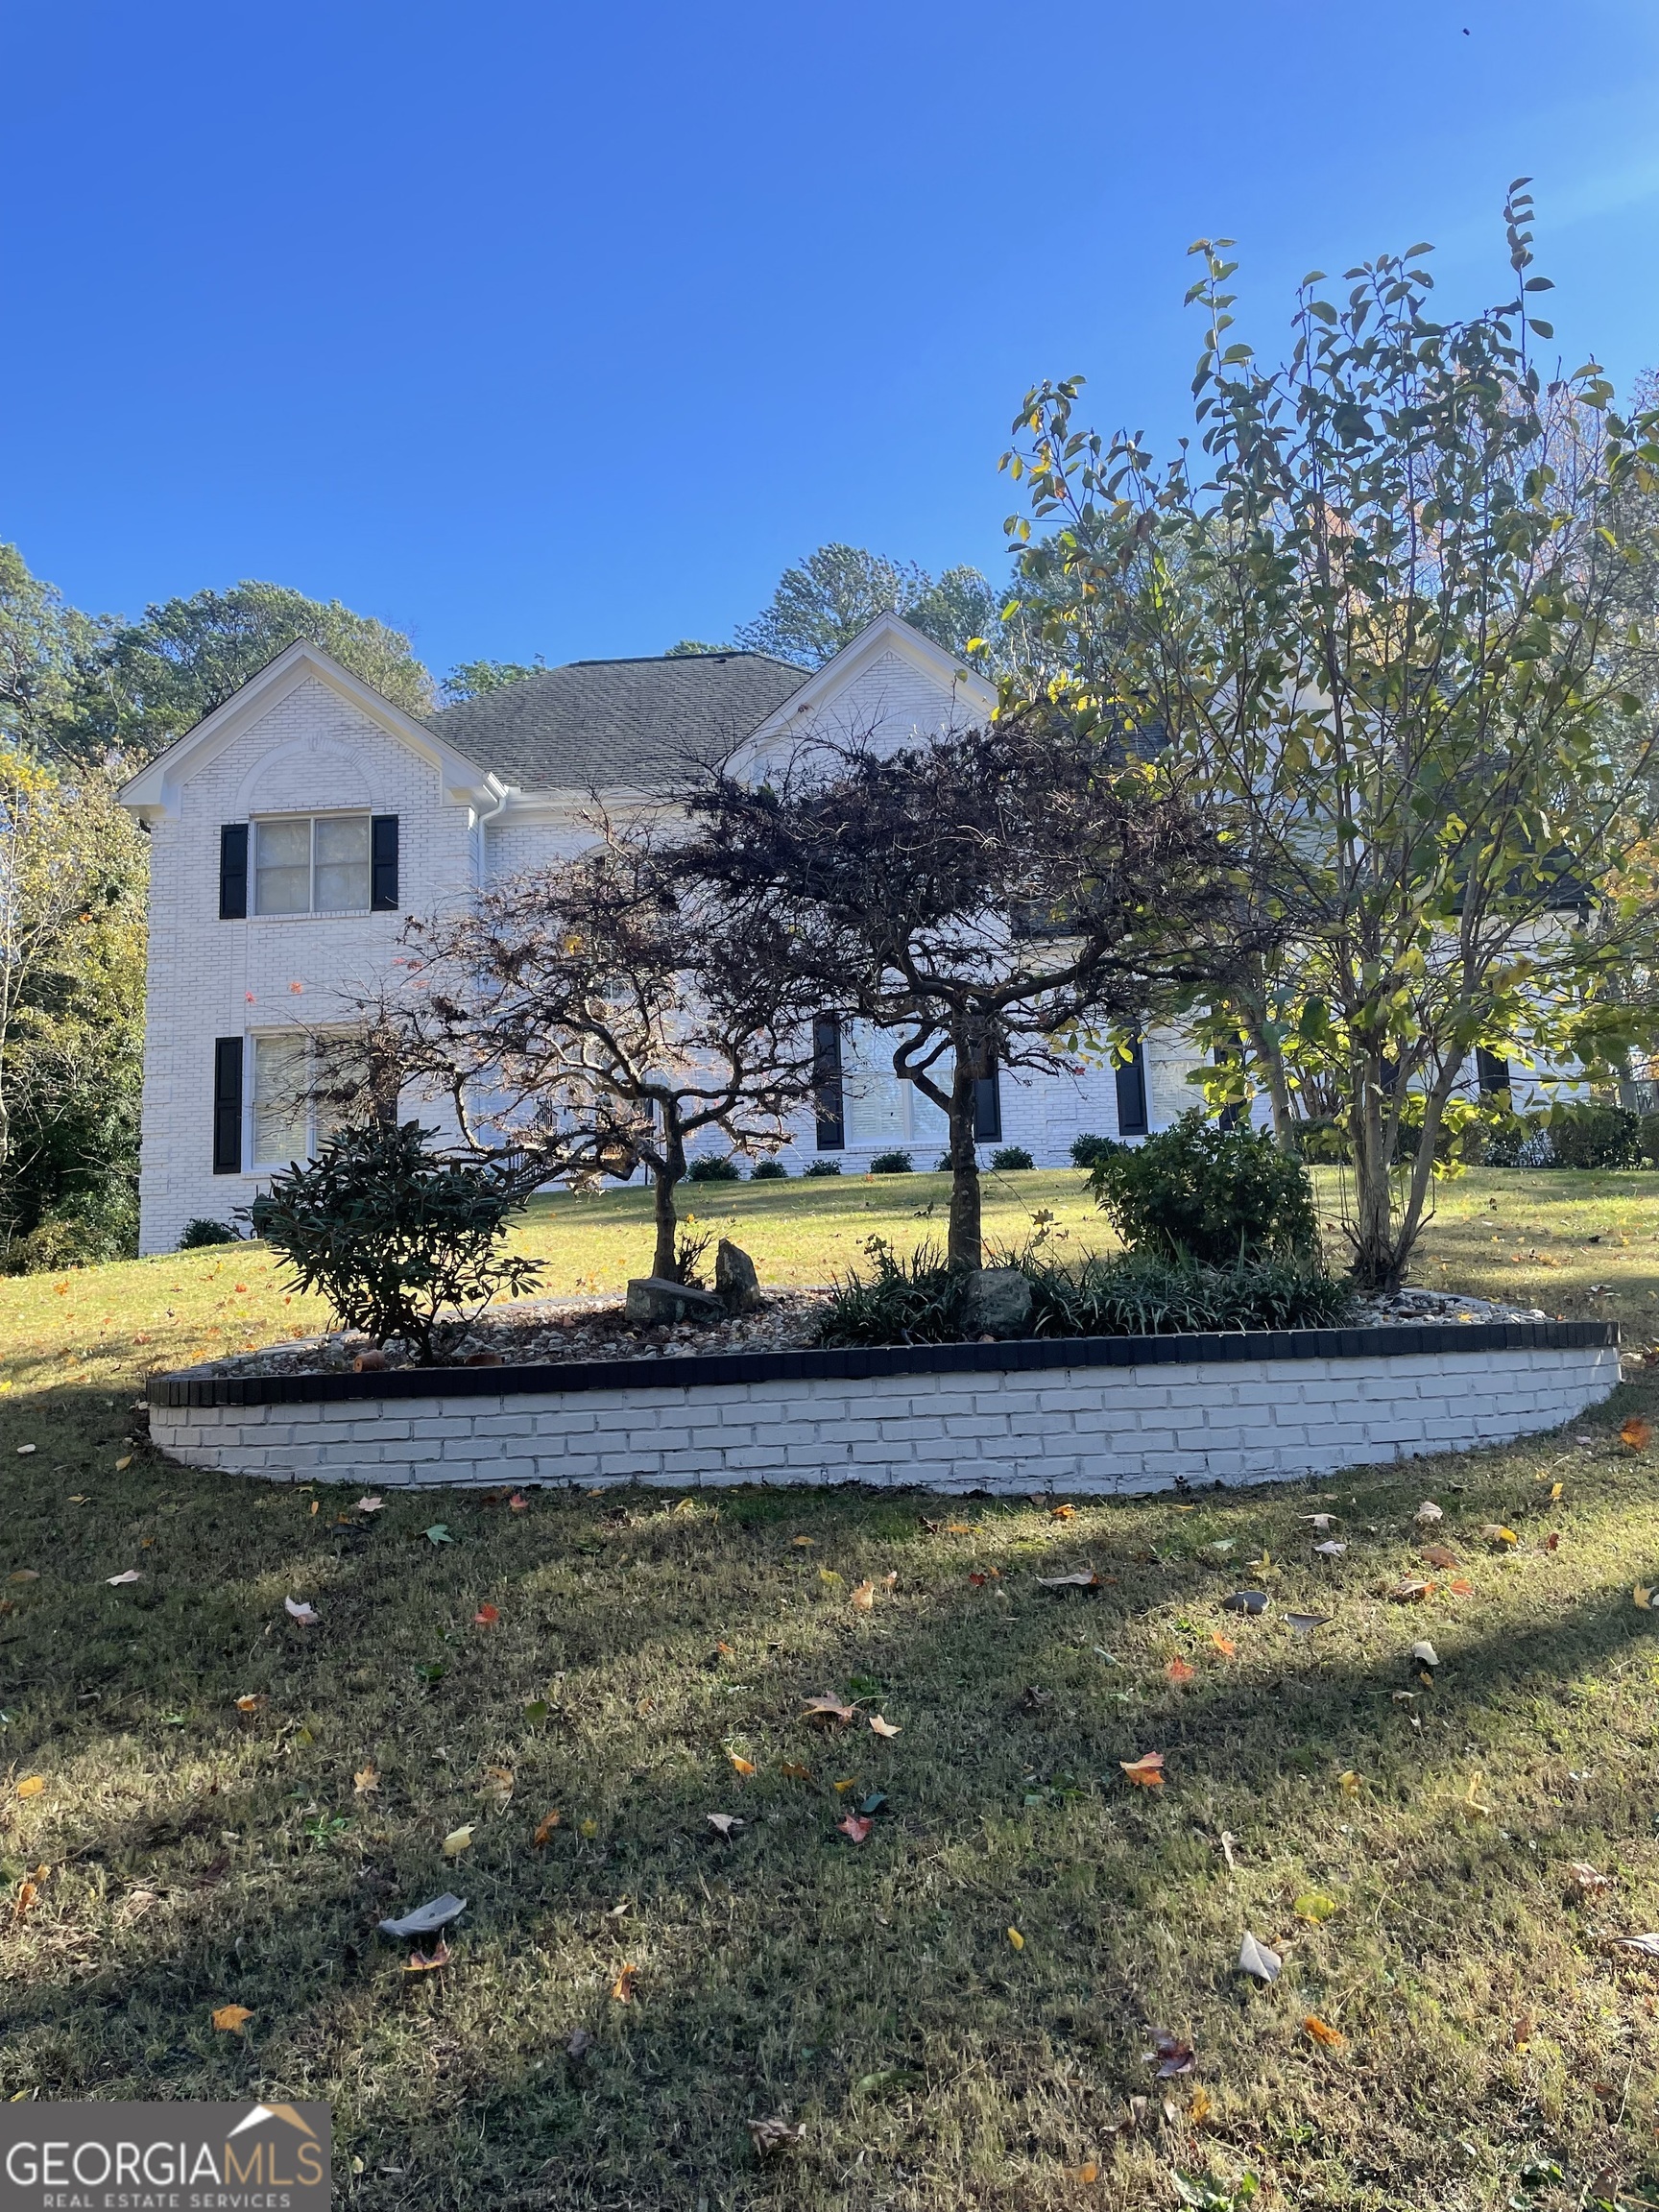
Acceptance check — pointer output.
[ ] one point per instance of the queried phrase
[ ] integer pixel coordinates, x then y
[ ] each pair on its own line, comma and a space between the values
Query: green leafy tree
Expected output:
44, 643
1377, 624
153, 680
474, 679
823, 604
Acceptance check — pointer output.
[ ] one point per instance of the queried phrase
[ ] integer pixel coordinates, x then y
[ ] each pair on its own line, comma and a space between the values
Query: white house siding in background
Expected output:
306, 739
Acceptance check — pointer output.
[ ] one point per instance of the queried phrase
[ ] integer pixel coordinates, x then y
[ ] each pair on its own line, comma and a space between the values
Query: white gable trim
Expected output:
155, 794
888, 634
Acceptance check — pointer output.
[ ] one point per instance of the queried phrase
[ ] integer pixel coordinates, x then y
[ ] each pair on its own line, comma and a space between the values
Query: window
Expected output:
826, 1083
286, 1120
313, 864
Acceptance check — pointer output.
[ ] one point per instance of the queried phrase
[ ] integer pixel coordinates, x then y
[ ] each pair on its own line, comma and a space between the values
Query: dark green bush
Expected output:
1088, 1151
1144, 1294
822, 1167
891, 1163
1012, 1156
1207, 1193
714, 1168
914, 1301
769, 1171
393, 1234
1589, 1136
201, 1232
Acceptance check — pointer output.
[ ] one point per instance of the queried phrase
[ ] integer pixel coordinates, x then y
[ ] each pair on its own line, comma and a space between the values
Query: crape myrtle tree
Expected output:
1381, 624
587, 1020
995, 897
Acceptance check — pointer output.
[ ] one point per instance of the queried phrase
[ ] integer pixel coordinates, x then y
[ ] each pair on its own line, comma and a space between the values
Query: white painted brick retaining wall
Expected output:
1089, 1427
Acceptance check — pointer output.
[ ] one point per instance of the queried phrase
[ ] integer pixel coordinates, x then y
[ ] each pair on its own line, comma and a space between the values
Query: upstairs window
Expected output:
313, 864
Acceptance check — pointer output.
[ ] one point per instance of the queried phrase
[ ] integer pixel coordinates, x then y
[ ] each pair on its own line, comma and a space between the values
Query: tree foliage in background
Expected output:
835, 592
72, 882
1383, 632
474, 679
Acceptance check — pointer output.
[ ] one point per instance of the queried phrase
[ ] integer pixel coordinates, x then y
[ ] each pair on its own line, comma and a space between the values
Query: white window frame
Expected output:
250, 1101
311, 911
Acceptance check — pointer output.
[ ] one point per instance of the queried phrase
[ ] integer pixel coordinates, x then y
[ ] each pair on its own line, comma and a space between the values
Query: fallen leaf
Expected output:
1349, 1783
880, 1727
1173, 2057
1472, 1801
30, 1785
1411, 1591
1425, 1653
1227, 1649
863, 1597
1062, 1512
803, 1543
770, 2136
250, 1704
1199, 2108
1429, 1513
428, 1961
231, 2019
1255, 1958
486, 1617
743, 1766
1323, 2033
1437, 1555
544, 1828
370, 1505
1552, 1541
828, 1708
458, 1839
131, 1575
1015, 1938
426, 1920
1331, 1549
301, 1610
1251, 1601
1085, 2174
1641, 1595
625, 1984
1314, 1905
1495, 1532
854, 1828
24, 1575
122, 1465
841, 1788
1147, 1772
1087, 1579
438, 1533
830, 1576
1227, 1839
589, 1828
27, 1892
1555, 1491
795, 1770
498, 1787
1523, 2031
519, 1503
1635, 1435
1323, 1521
24, 1449
366, 1781
1304, 1623
1181, 1670
725, 1823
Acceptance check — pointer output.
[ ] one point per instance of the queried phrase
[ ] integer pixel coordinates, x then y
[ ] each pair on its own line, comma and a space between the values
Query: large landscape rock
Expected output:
663, 1305
997, 1303
736, 1278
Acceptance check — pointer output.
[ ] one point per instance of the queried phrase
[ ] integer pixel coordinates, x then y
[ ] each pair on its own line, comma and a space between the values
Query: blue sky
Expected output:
542, 327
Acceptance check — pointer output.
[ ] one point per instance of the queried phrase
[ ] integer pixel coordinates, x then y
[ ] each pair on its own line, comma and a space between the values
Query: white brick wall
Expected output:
1091, 1429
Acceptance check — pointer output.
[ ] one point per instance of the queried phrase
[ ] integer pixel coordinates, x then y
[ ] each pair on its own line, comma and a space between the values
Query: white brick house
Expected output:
295, 827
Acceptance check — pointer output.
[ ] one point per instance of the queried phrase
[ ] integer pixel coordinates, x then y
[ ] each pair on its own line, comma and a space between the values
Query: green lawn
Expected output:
199, 1855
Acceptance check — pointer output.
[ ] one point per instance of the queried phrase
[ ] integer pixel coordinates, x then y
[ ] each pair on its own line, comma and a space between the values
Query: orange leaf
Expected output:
863, 1597
249, 1704
622, 1988
1146, 1771
429, 1962
1323, 2033
795, 1772
486, 1617
1062, 1512
27, 1892
743, 1766
231, 2018
1223, 1644
1086, 2173
1180, 1671
1636, 1434
1461, 1588
1437, 1555
544, 1828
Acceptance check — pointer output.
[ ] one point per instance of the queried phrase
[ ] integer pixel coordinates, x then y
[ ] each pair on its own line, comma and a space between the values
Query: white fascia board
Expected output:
155, 794
888, 634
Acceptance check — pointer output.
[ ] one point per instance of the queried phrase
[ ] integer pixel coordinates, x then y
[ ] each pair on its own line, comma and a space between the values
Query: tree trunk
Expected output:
1270, 1059
965, 1247
1377, 1264
664, 1177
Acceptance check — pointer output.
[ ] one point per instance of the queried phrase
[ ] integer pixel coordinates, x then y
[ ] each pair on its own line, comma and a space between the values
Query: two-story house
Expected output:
296, 826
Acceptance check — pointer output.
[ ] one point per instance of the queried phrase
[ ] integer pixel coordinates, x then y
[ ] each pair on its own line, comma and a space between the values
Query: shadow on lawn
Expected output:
789, 1969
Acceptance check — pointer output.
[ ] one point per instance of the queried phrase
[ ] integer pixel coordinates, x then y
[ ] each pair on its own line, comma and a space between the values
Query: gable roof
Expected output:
888, 634
155, 791
618, 724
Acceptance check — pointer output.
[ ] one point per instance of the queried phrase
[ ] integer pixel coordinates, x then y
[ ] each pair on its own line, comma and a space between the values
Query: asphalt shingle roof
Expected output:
611, 725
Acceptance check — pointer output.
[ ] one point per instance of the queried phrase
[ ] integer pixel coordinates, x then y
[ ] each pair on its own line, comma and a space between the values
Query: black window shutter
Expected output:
1132, 1094
1493, 1073
228, 1105
826, 1083
383, 886
988, 1110
233, 872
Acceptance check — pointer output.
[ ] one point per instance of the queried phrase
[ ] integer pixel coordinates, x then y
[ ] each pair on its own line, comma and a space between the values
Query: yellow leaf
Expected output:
1495, 1532
231, 2018
623, 1987
1200, 2109
851, 1782
590, 1828
1350, 1782
743, 1765
1062, 1512
830, 1576
1015, 1938
1556, 1490
864, 1597
1642, 1595
1314, 1905
457, 1841
1322, 2033
803, 1542
122, 1465
30, 1785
